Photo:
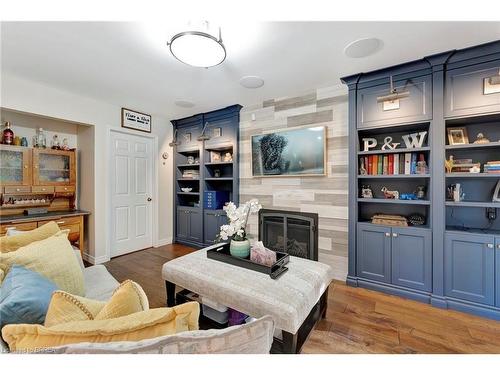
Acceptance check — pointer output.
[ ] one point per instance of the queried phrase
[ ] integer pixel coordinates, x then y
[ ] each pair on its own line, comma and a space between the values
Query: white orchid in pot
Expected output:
236, 229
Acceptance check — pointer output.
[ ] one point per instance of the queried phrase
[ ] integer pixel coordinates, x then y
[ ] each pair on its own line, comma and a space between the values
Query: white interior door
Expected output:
131, 193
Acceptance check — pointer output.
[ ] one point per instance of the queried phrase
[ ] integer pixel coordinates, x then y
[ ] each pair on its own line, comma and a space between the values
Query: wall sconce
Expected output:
391, 100
492, 84
174, 140
203, 136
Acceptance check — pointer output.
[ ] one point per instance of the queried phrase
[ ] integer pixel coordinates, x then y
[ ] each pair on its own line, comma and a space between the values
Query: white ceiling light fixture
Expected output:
201, 46
184, 103
363, 47
251, 82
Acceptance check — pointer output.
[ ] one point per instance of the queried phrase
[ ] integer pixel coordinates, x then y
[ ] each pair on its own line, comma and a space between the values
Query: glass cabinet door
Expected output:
15, 165
53, 167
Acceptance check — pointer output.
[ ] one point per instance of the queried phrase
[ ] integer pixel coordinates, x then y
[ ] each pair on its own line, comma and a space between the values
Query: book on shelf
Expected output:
393, 164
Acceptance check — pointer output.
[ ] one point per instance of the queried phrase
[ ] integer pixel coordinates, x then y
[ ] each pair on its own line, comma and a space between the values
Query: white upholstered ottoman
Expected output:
296, 300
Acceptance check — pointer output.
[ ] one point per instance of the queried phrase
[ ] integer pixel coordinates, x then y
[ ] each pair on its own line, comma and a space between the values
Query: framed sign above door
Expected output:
136, 120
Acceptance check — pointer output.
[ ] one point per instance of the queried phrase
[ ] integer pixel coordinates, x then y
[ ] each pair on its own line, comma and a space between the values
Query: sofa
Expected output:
253, 338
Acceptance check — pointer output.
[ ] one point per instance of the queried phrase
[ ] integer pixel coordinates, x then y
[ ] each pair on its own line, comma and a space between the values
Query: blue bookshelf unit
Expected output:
205, 161
453, 259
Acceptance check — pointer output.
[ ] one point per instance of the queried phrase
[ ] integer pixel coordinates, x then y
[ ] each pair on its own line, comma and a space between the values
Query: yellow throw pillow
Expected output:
12, 243
127, 299
65, 307
139, 326
53, 258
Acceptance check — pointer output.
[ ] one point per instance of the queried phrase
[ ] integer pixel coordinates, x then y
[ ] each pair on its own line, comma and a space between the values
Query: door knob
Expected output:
149, 199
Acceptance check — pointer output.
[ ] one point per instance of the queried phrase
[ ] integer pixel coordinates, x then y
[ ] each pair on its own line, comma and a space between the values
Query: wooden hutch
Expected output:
39, 177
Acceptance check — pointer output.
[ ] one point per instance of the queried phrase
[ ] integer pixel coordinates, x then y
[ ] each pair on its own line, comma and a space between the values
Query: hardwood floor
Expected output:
357, 320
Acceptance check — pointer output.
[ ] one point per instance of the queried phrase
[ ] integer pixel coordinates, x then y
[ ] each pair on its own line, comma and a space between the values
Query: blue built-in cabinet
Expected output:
197, 167
451, 259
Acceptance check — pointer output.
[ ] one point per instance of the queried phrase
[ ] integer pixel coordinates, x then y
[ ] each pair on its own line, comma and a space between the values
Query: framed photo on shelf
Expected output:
458, 136
215, 157
136, 120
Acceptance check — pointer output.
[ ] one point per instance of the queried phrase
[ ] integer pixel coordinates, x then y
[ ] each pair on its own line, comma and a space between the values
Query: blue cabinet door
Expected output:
412, 258
467, 92
413, 108
470, 267
374, 252
214, 219
195, 225
182, 224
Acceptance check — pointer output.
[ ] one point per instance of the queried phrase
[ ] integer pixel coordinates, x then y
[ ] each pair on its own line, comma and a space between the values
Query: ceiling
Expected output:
129, 65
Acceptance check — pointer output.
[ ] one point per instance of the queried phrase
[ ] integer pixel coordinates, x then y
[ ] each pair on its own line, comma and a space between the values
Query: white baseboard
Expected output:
163, 242
91, 259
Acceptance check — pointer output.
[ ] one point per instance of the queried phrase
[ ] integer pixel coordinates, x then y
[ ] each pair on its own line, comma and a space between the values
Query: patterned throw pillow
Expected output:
53, 258
134, 327
128, 298
24, 297
13, 242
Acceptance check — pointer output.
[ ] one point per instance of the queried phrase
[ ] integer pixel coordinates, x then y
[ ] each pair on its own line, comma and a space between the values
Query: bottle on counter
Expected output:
41, 139
8, 134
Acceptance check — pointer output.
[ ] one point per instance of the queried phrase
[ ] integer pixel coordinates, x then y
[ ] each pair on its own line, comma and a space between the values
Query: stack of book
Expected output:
391, 164
191, 173
492, 167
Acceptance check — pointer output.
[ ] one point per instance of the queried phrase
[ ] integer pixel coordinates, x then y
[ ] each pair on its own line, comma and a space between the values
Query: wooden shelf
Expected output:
472, 175
472, 146
396, 151
472, 204
421, 202
391, 176
5, 206
219, 179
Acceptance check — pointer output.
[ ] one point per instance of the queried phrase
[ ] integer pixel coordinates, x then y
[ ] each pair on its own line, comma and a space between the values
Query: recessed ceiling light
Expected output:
184, 103
251, 82
363, 47
200, 46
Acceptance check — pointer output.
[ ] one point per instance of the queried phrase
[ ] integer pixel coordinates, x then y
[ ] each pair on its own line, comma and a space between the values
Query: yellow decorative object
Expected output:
1, 275
448, 164
65, 307
127, 299
53, 258
12, 243
139, 326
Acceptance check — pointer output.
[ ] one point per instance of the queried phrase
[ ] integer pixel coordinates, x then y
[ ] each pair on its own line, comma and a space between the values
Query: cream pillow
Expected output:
128, 298
135, 327
53, 258
14, 242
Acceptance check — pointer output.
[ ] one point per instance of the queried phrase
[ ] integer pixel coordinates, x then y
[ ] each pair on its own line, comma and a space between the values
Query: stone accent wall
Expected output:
326, 195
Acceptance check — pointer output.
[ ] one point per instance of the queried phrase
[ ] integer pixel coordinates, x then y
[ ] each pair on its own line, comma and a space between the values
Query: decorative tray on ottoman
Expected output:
222, 254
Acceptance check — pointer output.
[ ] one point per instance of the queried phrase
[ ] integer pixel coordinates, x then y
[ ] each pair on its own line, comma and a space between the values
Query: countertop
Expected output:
10, 219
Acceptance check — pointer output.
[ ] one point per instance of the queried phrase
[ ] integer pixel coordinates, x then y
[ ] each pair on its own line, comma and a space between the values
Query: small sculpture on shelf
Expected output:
408, 196
448, 164
420, 192
55, 145
422, 167
455, 193
65, 145
362, 168
475, 168
390, 194
228, 157
366, 191
481, 138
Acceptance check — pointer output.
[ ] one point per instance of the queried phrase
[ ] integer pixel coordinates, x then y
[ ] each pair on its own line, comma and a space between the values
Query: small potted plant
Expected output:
236, 229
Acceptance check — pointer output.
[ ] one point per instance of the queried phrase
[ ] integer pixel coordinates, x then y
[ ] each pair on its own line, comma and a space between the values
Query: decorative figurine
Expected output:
455, 193
448, 164
65, 145
55, 145
390, 194
422, 165
481, 138
190, 159
217, 173
366, 191
228, 157
24, 142
475, 169
420, 192
362, 168
408, 196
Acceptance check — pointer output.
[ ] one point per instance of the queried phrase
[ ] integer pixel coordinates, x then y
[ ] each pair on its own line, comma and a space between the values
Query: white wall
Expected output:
34, 97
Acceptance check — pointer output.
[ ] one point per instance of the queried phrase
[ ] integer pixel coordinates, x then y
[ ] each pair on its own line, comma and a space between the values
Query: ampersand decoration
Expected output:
388, 145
